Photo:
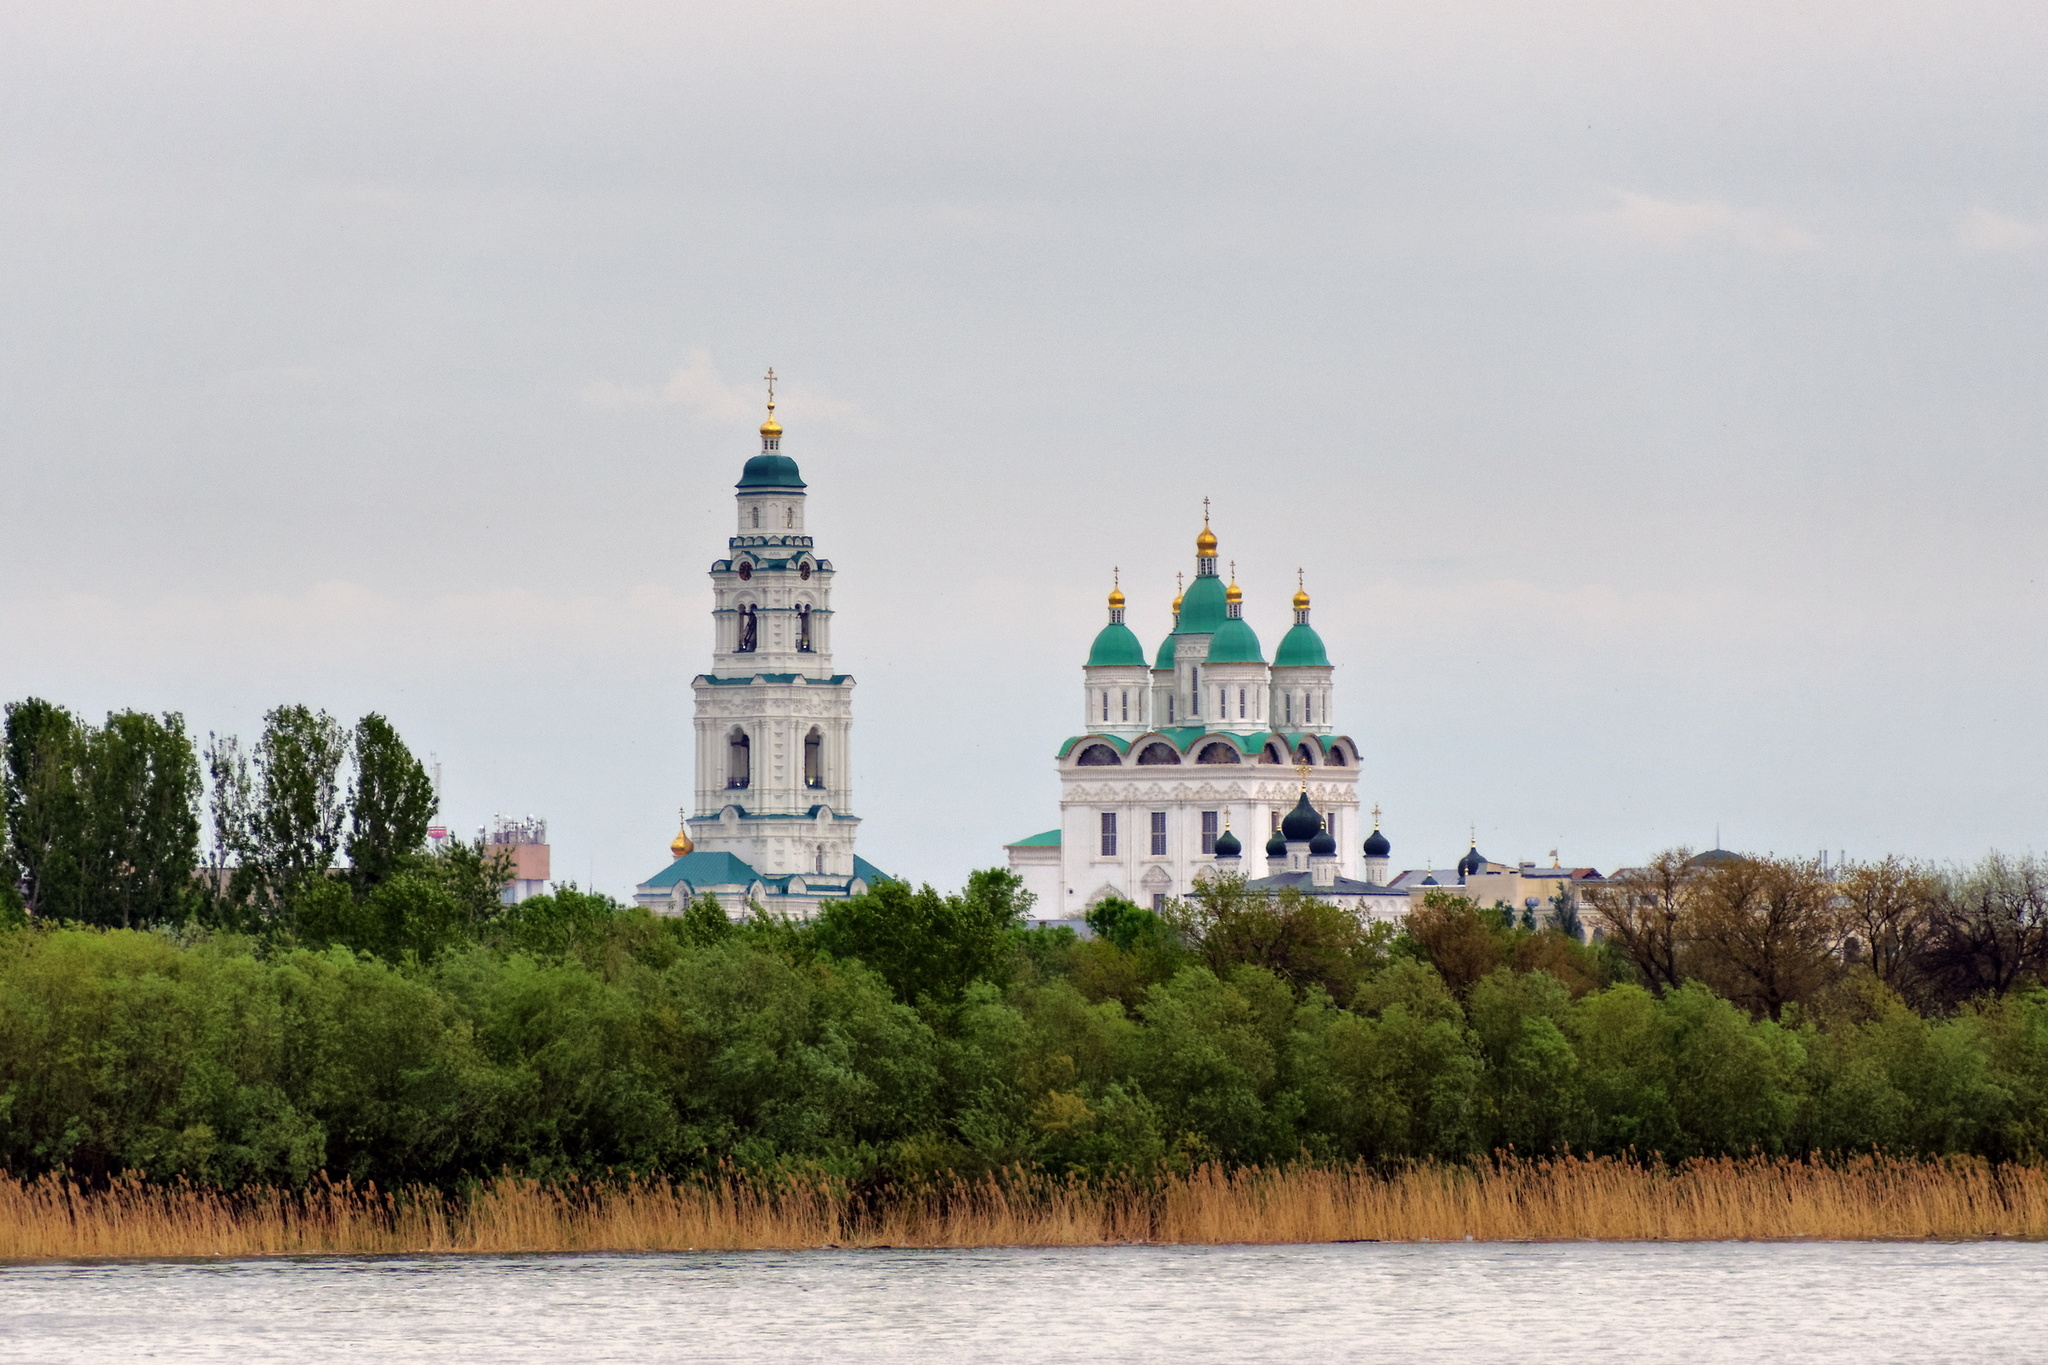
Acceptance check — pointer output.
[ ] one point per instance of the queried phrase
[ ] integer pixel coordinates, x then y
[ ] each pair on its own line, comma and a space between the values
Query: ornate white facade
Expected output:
1208, 738
771, 817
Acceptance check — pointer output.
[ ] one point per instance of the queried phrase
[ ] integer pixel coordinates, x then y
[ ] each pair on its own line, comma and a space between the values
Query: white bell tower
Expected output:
774, 721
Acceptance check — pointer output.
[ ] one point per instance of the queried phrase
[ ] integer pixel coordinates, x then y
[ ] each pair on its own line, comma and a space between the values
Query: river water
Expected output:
1698, 1303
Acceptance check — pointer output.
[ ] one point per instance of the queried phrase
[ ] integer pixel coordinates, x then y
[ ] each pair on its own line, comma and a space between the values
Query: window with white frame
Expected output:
1159, 834
1109, 834
1209, 830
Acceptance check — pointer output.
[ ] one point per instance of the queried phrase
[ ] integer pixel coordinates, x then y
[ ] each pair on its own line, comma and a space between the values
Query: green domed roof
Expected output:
1301, 647
1115, 646
1234, 643
1164, 658
1201, 609
770, 471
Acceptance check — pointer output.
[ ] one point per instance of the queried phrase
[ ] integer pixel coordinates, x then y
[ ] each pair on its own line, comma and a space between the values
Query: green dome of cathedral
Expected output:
1201, 609
1301, 647
1164, 658
1234, 643
1115, 646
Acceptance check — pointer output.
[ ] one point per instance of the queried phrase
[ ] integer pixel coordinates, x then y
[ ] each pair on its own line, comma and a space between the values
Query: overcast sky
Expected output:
1654, 395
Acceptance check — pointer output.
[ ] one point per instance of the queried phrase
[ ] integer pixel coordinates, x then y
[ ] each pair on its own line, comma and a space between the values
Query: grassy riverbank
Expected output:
1566, 1199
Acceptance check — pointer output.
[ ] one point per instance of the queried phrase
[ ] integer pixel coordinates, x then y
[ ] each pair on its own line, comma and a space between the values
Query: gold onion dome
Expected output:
1233, 593
1116, 598
1176, 602
1205, 543
771, 428
680, 846
1301, 599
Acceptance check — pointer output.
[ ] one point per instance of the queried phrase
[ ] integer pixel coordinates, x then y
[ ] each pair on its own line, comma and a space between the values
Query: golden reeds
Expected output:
1570, 1198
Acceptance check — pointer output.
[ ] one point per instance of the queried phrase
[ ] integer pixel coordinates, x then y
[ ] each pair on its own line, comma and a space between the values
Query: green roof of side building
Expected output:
1115, 646
1235, 643
1049, 839
1301, 647
770, 471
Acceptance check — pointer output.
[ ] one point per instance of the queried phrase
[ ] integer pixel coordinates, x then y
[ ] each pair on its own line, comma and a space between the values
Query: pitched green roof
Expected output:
1301, 647
704, 869
1235, 643
869, 873
1115, 646
1049, 839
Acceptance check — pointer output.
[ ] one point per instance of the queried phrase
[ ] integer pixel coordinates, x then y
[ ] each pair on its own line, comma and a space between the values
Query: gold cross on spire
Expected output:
1205, 514
1375, 815
1301, 770
771, 388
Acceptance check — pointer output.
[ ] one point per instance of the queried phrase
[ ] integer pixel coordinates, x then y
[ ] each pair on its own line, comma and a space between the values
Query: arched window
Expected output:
1287, 702
757, 516
1219, 752
1240, 703
789, 519
1098, 756
747, 630
1275, 754
1156, 753
1304, 754
1127, 704
821, 860
739, 770
814, 761
1336, 758
803, 629
1308, 708
1105, 707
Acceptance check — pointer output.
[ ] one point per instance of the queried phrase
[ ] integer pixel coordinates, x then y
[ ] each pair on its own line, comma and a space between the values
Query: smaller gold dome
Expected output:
1232, 593
680, 846
1116, 597
1176, 604
1301, 599
1205, 543
771, 428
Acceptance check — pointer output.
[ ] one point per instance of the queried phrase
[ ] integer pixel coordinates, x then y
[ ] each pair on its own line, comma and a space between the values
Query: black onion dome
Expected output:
1324, 845
1227, 845
1376, 845
1472, 863
1276, 847
1302, 822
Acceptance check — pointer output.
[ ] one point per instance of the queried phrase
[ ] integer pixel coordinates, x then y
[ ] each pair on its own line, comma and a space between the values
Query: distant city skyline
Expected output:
1654, 401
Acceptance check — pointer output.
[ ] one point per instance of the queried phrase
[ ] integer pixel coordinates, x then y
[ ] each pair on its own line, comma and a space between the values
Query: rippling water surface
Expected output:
1575, 1302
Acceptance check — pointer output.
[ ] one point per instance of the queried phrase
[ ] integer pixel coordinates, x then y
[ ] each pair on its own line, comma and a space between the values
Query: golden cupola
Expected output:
680, 846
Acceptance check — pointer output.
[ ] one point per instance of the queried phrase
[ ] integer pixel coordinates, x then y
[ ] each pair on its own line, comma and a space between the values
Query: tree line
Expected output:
317, 991
1774, 934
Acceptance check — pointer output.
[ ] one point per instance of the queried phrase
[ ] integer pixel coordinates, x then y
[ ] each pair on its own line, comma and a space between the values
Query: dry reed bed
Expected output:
1572, 1198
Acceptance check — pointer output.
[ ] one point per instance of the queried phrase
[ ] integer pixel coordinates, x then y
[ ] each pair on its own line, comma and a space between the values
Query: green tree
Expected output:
45, 810
103, 820
928, 947
278, 815
390, 804
1304, 941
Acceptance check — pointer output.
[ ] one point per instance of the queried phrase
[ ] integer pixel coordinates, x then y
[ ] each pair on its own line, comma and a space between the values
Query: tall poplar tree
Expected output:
279, 811
102, 822
391, 803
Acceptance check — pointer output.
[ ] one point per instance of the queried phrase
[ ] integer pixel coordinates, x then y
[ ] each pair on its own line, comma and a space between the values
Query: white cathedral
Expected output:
772, 821
1210, 751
